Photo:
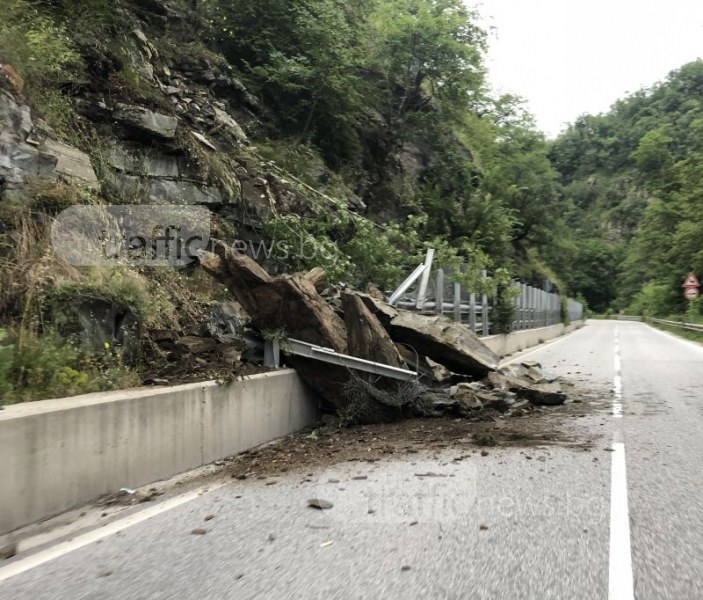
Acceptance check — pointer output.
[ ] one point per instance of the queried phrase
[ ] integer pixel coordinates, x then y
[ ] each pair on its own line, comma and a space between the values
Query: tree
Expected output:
426, 52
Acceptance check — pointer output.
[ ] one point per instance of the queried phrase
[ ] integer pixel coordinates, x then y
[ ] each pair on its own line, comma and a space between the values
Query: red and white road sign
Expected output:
691, 281
691, 293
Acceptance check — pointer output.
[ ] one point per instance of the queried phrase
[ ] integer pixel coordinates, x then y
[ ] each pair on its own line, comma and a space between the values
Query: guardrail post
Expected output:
521, 307
544, 317
457, 302
472, 312
485, 328
439, 295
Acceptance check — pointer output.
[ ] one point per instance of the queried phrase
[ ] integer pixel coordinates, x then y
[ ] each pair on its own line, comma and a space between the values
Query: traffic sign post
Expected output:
691, 287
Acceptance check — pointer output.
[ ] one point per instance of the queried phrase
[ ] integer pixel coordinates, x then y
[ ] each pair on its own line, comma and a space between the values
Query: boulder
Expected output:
444, 341
549, 394
290, 303
366, 337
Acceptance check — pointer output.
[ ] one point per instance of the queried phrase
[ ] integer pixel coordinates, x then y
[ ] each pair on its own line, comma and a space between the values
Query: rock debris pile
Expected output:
457, 375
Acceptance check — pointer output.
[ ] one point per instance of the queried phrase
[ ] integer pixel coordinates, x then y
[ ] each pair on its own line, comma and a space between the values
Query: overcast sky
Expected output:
569, 57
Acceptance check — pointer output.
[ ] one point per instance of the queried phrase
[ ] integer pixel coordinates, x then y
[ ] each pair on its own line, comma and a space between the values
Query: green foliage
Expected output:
594, 273
6, 350
503, 313
426, 50
306, 58
633, 175
653, 300
653, 154
35, 368
36, 45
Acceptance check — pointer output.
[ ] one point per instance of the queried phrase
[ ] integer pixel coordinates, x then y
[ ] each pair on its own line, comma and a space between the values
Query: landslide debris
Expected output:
351, 323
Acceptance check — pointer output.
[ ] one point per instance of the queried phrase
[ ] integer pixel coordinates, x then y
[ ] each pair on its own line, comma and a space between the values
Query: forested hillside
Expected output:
634, 181
356, 135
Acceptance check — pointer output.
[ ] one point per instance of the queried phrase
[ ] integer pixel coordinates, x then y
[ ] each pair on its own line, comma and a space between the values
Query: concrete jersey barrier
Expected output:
60, 454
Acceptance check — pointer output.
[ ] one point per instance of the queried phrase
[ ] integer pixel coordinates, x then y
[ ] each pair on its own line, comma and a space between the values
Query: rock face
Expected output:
444, 341
143, 121
157, 177
97, 322
28, 152
71, 163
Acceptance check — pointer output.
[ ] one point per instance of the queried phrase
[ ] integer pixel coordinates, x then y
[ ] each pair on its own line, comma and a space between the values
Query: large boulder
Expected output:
366, 337
288, 302
449, 343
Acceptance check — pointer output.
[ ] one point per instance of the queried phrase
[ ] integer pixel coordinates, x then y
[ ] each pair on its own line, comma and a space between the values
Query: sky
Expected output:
570, 57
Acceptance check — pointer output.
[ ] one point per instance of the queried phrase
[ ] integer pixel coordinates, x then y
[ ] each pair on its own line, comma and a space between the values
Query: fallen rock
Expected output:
440, 373
290, 303
366, 337
318, 277
196, 345
444, 341
549, 394
320, 504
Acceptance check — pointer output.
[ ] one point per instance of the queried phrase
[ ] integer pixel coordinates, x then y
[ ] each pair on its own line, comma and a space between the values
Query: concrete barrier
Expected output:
59, 454
507, 344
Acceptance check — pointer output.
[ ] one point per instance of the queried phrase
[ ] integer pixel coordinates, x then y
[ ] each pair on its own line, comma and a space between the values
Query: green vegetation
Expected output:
633, 182
34, 368
372, 126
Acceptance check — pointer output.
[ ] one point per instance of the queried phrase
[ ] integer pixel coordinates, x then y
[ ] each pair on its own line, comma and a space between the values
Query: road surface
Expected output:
618, 516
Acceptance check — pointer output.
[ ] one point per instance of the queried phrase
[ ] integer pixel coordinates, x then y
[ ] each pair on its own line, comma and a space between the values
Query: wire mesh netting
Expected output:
373, 399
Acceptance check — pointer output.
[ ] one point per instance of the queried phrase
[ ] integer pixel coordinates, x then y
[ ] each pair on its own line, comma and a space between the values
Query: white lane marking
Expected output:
620, 584
44, 556
617, 378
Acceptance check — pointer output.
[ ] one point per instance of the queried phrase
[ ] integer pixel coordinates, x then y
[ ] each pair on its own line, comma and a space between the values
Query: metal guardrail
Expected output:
272, 359
680, 324
628, 318
443, 295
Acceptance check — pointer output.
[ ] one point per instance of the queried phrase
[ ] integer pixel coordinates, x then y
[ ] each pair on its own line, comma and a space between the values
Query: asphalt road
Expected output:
616, 513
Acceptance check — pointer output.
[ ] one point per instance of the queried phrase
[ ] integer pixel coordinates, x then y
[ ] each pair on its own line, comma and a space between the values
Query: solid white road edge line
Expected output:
44, 556
690, 343
620, 584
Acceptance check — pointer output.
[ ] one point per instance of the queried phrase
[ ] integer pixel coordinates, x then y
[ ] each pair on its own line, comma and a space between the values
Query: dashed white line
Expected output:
620, 582
617, 378
20, 566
